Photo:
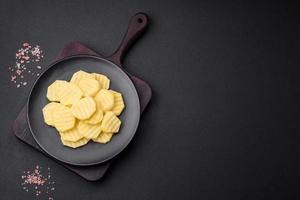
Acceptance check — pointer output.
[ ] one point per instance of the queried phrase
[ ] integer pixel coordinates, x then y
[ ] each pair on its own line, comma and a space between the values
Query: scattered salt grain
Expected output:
26, 57
38, 182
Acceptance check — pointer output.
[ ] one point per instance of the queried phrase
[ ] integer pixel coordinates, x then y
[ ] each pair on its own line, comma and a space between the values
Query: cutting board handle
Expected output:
136, 27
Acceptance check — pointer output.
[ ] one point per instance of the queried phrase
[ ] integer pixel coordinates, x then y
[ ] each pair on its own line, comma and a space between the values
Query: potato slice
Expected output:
84, 108
48, 112
103, 80
54, 90
118, 103
77, 76
71, 135
103, 137
89, 86
70, 94
76, 144
63, 118
106, 99
97, 116
89, 131
110, 122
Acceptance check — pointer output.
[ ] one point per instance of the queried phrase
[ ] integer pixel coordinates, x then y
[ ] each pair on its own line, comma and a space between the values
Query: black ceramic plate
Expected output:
92, 153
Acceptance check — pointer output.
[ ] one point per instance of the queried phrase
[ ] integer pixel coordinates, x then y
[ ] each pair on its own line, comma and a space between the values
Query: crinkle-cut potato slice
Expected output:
118, 103
89, 86
103, 137
48, 112
63, 118
103, 80
71, 135
77, 76
54, 90
84, 108
106, 99
110, 122
76, 144
70, 94
89, 131
97, 116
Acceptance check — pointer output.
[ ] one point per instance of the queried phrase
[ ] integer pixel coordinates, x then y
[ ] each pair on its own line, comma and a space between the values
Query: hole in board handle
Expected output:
140, 20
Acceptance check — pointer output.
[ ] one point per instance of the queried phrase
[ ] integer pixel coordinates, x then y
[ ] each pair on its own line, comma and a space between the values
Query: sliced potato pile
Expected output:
83, 109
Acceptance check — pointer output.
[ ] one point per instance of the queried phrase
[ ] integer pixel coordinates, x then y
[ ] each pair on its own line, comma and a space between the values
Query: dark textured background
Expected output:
224, 119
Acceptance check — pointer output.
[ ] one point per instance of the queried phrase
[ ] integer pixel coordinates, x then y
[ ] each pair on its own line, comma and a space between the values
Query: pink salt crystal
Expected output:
23, 56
